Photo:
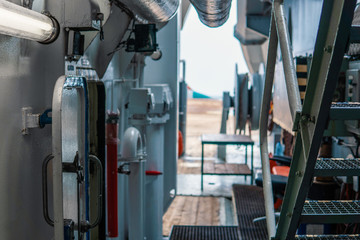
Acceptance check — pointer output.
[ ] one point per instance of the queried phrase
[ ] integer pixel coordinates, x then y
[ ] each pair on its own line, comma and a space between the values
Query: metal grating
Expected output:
346, 105
345, 111
337, 167
331, 207
328, 237
331, 212
204, 233
249, 204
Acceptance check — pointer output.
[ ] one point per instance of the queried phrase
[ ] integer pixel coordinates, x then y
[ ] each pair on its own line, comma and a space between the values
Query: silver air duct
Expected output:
212, 13
152, 11
24, 23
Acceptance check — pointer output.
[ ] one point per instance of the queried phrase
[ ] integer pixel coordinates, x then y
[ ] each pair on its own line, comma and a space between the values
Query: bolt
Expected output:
328, 49
298, 173
312, 119
100, 16
307, 118
289, 214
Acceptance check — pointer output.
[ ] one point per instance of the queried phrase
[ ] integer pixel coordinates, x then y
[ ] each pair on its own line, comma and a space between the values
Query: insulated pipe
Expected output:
153, 11
112, 170
132, 152
17, 21
212, 13
288, 59
264, 115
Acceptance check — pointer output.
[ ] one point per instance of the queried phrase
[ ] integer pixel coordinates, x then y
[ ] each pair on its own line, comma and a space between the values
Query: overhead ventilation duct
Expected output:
213, 13
252, 31
17, 21
152, 11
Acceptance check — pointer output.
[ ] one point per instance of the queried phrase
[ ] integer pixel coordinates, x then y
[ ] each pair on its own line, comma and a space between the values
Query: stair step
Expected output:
327, 237
204, 232
345, 111
337, 211
327, 167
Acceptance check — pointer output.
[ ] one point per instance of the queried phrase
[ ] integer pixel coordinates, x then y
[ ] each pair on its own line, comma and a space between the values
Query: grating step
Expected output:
204, 233
327, 237
331, 212
249, 204
345, 111
327, 167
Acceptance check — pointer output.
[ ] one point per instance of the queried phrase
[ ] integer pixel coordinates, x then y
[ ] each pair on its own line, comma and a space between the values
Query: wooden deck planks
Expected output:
226, 168
209, 167
212, 167
173, 214
190, 210
244, 169
232, 168
220, 168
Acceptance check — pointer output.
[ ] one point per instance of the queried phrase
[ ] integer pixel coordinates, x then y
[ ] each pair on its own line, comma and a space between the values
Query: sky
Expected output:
211, 54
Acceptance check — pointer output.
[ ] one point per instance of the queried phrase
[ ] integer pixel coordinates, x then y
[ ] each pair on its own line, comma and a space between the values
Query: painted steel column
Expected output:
166, 70
264, 115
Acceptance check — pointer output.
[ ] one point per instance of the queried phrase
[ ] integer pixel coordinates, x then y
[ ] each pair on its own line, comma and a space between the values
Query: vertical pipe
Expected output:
136, 203
202, 166
154, 188
182, 111
264, 115
132, 149
112, 181
288, 60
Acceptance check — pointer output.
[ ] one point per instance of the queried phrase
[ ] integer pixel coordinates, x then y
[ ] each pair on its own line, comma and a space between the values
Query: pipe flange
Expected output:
55, 34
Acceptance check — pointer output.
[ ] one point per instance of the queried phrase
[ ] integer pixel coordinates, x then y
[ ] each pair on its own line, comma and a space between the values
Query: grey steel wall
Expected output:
28, 71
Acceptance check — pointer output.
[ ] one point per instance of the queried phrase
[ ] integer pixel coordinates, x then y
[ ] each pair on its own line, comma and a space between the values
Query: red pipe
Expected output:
112, 171
153, 173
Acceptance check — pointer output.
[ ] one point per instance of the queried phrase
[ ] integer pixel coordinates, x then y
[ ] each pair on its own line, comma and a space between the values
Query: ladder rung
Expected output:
327, 167
327, 237
337, 211
345, 111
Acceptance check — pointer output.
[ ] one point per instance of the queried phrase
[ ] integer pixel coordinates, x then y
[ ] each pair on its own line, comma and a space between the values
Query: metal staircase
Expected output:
310, 121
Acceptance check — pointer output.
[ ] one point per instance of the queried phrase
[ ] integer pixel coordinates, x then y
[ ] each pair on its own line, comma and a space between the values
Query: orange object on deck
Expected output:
281, 170
272, 163
180, 144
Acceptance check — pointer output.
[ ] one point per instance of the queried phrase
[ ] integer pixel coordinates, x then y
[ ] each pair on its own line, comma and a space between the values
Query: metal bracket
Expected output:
74, 167
296, 126
27, 3
31, 120
305, 118
123, 170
